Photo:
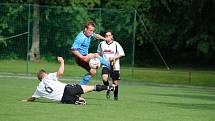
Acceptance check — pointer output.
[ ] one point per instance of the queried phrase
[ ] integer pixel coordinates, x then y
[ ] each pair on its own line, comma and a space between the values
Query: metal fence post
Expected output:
133, 51
27, 55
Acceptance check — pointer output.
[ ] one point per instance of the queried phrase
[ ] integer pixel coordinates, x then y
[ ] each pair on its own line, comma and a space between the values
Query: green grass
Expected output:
185, 76
137, 102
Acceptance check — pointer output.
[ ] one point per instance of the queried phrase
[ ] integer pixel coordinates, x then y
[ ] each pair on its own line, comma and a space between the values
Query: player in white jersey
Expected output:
51, 88
111, 51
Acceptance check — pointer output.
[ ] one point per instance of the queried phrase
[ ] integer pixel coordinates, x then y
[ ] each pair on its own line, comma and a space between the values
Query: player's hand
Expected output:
90, 56
111, 58
24, 100
60, 59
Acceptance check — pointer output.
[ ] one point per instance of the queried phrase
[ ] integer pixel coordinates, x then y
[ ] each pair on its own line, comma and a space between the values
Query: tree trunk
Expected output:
35, 48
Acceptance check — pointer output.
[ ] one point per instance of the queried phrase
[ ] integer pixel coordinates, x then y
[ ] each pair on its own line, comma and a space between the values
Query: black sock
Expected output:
100, 87
106, 83
116, 91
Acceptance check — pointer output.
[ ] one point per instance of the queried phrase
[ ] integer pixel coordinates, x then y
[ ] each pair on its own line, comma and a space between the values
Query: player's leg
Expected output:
105, 79
87, 77
115, 75
103, 61
81, 101
105, 75
98, 88
88, 88
115, 82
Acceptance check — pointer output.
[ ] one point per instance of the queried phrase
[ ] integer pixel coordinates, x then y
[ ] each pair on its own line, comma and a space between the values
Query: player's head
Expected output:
41, 74
89, 28
109, 34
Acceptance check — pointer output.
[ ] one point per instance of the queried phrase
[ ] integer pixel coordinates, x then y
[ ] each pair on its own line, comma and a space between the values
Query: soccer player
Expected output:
51, 88
80, 50
111, 51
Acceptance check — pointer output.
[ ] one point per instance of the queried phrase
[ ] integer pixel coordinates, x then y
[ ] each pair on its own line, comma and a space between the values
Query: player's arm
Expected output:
77, 54
99, 37
74, 50
84, 58
120, 53
76, 46
118, 56
61, 68
31, 99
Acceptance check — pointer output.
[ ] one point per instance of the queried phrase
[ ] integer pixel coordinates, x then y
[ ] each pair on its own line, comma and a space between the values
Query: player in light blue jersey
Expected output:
80, 49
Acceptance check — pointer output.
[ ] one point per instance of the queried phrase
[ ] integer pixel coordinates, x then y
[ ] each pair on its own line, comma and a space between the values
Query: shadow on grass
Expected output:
188, 105
92, 98
41, 101
45, 101
199, 97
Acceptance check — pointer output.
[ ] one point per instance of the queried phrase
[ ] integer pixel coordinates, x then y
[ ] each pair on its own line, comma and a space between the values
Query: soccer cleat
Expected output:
110, 88
80, 102
108, 94
115, 98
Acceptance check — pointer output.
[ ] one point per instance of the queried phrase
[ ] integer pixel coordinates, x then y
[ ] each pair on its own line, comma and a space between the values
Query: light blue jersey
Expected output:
82, 43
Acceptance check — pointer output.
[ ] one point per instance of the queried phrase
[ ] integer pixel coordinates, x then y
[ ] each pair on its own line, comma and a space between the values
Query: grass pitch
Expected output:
184, 76
137, 102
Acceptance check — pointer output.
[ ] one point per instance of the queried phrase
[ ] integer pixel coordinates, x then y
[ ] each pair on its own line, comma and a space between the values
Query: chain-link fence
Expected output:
33, 32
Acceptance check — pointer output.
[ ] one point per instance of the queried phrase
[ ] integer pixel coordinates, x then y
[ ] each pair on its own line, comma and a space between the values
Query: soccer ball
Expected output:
94, 63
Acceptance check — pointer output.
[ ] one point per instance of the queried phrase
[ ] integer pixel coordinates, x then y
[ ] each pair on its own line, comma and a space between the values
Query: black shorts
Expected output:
115, 74
71, 93
83, 64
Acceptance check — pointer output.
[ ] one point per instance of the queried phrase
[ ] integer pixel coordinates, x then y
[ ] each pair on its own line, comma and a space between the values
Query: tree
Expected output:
35, 47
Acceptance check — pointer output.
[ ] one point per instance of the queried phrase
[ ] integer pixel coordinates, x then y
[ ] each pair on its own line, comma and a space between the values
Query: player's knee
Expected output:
97, 55
93, 72
104, 77
115, 82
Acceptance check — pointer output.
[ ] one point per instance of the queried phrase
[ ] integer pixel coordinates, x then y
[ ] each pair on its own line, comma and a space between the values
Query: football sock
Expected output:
106, 83
85, 79
104, 62
116, 91
100, 87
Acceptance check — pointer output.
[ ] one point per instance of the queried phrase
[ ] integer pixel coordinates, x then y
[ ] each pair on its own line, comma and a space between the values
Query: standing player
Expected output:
112, 51
80, 50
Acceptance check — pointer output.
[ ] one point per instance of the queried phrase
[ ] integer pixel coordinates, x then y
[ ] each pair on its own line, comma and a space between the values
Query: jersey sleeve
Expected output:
99, 48
120, 50
53, 76
77, 43
94, 35
37, 94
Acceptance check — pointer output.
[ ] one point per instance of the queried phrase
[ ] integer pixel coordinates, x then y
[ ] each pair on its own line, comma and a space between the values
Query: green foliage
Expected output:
179, 27
59, 25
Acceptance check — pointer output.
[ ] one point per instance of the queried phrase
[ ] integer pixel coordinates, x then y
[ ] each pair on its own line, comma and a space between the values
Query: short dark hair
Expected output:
90, 23
109, 31
39, 74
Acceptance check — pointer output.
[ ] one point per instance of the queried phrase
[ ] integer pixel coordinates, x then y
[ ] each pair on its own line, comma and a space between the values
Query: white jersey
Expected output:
110, 50
50, 88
